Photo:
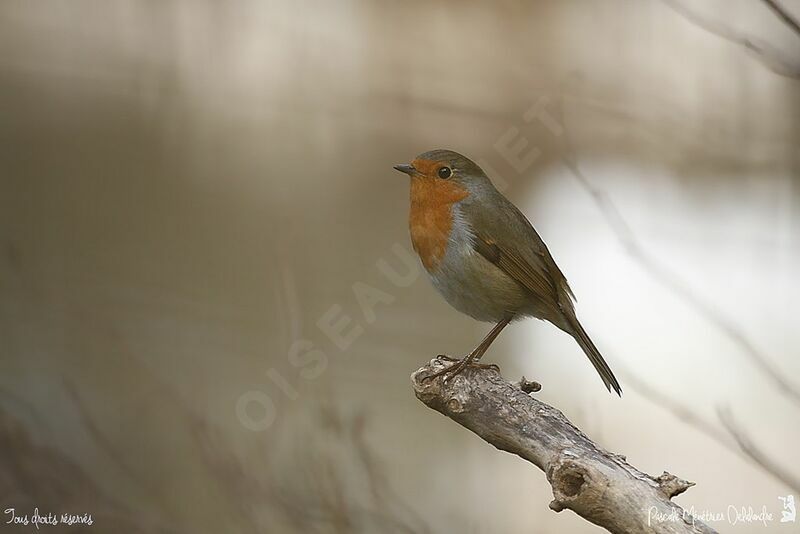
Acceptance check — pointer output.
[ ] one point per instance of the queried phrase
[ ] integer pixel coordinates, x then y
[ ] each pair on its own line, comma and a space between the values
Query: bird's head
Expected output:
445, 169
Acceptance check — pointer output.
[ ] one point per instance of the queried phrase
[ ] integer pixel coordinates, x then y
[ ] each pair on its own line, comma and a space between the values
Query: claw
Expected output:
452, 370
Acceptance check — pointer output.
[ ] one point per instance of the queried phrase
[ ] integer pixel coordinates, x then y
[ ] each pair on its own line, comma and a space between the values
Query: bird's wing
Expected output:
506, 238
510, 242
533, 278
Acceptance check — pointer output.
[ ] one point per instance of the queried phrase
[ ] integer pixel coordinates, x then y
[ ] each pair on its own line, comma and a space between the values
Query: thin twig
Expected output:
102, 441
662, 274
625, 235
675, 284
750, 450
730, 440
784, 15
679, 410
765, 52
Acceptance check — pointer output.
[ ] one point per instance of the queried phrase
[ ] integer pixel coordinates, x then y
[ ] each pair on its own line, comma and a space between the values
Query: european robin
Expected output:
485, 257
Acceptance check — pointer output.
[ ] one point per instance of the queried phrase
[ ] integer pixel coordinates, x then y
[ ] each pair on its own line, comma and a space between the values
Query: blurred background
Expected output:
194, 196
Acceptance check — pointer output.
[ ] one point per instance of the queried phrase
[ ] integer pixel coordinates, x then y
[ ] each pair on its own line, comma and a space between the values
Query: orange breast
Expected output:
431, 217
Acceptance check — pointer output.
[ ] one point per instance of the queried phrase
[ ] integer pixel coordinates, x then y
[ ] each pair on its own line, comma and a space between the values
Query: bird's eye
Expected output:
445, 173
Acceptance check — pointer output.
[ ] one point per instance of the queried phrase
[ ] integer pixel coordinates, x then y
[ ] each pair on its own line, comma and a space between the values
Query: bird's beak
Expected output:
407, 169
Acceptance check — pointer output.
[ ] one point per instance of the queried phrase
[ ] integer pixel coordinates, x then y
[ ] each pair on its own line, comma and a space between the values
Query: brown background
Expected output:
187, 187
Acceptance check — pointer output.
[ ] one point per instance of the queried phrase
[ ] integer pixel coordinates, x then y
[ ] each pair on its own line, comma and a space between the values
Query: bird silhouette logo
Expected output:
789, 511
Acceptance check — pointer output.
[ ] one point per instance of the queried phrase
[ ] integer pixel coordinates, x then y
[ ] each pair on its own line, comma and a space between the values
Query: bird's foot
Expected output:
478, 365
459, 365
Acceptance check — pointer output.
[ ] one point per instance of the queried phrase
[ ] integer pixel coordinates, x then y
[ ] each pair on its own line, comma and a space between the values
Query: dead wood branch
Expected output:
597, 485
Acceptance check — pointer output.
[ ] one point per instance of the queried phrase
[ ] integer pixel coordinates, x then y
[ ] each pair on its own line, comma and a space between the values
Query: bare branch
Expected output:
784, 15
101, 440
675, 283
597, 485
773, 58
730, 440
679, 410
753, 452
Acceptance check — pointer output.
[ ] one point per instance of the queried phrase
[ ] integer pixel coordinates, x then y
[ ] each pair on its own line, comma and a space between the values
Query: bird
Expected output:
485, 258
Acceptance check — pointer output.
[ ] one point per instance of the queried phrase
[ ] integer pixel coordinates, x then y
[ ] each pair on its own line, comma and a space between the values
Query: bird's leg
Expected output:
483, 346
476, 354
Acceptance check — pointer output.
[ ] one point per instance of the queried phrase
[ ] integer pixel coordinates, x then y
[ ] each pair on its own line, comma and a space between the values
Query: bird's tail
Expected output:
594, 355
